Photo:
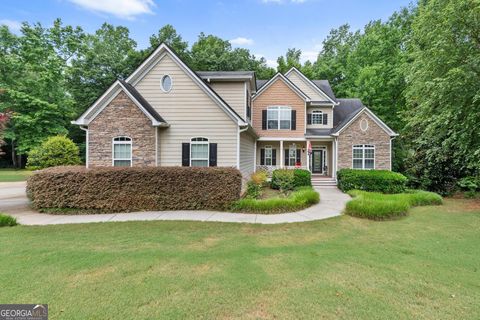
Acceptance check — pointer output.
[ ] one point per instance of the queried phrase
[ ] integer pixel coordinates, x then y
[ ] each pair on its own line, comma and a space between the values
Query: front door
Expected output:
317, 161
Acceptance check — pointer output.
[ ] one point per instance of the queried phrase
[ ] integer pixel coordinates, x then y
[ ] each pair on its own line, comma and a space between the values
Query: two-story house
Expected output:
165, 114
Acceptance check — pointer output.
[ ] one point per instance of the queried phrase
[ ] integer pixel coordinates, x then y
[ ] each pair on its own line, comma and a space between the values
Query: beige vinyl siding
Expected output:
247, 154
233, 93
325, 110
190, 112
313, 94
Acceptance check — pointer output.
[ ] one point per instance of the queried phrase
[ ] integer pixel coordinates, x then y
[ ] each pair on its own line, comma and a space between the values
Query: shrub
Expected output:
259, 177
55, 151
302, 178
297, 200
253, 190
7, 221
469, 184
283, 180
379, 206
133, 189
371, 180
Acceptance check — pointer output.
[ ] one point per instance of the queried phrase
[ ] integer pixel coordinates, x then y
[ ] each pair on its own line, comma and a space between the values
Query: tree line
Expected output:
419, 71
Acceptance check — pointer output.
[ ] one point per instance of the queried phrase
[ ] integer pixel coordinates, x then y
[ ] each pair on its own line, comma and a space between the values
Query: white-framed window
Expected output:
292, 155
122, 151
268, 155
317, 117
363, 156
279, 117
166, 83
199, 152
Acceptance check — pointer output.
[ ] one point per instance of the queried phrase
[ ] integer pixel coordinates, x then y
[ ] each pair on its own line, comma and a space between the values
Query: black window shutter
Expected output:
299, 155
286, 151
264, 119
186, 154
213, 155
274, 157
309, 118
294, 120
325, 118
262, 157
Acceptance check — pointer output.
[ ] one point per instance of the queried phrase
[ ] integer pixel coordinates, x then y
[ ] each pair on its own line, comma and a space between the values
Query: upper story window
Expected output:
279, 118
363, 156
122, 152
317, 117
199, 152
166, 83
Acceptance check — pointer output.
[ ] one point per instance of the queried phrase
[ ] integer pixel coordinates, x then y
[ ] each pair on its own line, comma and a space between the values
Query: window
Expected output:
292, 155
363, 156
122, 152
166, 83
364, 124
279, 118
199, 149
317, 117
268, 155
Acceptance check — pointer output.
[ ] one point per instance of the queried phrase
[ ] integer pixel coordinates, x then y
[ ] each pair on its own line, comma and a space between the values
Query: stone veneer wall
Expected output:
121, 117
374, 135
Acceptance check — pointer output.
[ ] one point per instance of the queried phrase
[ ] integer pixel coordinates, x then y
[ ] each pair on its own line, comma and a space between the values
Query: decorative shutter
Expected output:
325, 118
309, 118
286, 151
262, 157
186, 154
274, 157
213, 155
299, 156
264, 119
294, 120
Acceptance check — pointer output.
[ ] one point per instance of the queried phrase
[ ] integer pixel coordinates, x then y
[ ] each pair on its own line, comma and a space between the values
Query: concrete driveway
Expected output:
14, 202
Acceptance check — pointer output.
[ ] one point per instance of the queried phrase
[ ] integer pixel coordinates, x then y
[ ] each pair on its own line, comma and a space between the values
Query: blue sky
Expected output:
266, 27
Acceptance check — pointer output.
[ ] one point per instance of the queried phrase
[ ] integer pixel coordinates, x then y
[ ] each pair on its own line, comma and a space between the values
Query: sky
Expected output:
266, 27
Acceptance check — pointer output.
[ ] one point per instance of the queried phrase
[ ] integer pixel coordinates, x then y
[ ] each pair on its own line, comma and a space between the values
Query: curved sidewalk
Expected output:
14, 202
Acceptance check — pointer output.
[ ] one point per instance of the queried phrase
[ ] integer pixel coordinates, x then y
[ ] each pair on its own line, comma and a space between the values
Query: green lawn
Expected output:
424, 266
11, 175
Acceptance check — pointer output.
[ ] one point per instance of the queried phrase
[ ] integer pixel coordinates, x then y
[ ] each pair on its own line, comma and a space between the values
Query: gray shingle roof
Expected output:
318, 132
147, 106
345, 111
324, 85
225, 74
260, 83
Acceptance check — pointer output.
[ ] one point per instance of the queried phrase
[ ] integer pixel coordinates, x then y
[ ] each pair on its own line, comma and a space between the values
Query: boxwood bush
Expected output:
371, 180
77, 189
287, 179
55, 151
379, 206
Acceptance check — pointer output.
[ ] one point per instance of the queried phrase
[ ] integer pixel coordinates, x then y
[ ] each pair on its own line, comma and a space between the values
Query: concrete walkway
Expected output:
13, 201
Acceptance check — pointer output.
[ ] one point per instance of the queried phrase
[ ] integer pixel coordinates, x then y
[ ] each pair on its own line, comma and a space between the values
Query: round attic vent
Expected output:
364, 124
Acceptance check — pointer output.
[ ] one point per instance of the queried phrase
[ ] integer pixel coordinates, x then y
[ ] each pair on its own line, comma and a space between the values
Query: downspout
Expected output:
86, 144
391, 151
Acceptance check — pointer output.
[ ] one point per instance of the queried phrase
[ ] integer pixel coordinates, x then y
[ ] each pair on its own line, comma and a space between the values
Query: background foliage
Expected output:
418, 71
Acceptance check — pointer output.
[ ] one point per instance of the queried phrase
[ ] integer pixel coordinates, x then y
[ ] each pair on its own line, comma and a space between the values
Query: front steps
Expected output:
323, 181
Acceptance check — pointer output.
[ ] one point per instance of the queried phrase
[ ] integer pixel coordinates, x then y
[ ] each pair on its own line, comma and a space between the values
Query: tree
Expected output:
443, 93
168, 35
291, 59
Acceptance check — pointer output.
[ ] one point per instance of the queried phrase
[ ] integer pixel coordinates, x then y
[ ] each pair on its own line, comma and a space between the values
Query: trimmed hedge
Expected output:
77, 189
287, 179
371, 180
380, 206
299, 199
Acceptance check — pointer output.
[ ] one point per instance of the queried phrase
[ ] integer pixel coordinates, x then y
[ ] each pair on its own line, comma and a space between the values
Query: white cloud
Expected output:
240, 41
126, 9
270, 62
13, 25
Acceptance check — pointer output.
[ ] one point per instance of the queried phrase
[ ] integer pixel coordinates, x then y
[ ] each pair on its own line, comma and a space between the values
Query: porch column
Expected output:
281, 154
334, 160
307, 155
